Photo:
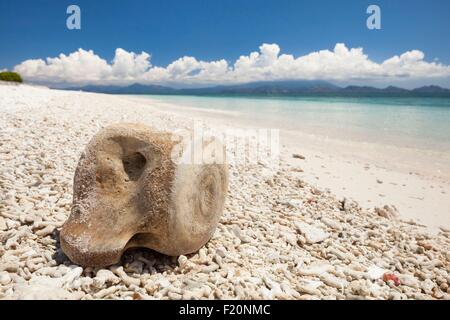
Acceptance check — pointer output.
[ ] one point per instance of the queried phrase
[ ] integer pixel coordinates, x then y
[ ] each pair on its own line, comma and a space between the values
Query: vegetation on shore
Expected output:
10, 76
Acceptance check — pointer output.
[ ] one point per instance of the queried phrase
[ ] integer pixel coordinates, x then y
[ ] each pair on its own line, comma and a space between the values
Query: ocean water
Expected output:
422, 123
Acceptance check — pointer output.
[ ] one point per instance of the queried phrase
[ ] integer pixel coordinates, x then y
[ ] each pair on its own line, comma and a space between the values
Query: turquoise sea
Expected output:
409, 122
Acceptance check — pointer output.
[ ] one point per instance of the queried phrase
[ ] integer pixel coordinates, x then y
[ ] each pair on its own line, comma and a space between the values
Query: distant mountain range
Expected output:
275, 88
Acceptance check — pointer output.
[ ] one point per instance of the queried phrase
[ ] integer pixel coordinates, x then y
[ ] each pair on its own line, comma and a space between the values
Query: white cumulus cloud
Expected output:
340, 64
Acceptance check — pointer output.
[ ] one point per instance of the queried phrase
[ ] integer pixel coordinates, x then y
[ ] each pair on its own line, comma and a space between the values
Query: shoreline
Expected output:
374, 175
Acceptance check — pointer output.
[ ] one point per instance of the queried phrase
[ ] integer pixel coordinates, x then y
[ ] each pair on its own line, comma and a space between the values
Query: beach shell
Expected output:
311, 233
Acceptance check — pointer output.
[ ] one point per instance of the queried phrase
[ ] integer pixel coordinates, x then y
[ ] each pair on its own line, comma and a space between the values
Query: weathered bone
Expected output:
129, 191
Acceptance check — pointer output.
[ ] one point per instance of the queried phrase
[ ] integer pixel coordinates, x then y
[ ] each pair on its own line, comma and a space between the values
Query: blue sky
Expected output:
214, 30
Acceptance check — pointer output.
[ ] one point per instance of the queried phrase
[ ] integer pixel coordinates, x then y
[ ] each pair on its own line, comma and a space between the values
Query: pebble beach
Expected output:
279, 237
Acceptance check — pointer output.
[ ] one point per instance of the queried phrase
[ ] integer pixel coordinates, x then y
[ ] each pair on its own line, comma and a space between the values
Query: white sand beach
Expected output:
307, 231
